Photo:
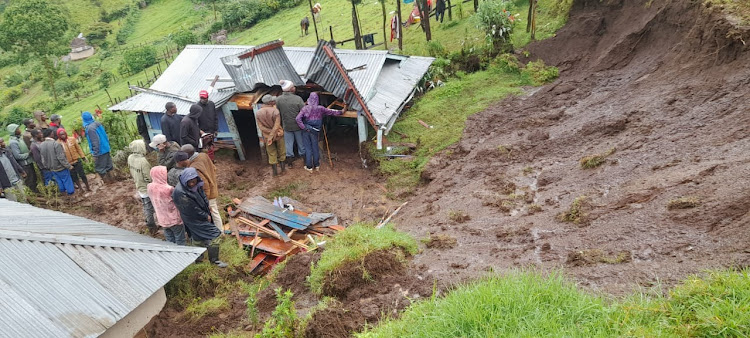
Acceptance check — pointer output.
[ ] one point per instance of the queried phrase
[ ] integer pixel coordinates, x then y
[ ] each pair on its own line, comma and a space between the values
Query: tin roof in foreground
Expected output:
67, 276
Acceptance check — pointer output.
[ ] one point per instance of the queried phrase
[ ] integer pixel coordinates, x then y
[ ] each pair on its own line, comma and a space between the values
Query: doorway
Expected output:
248, 130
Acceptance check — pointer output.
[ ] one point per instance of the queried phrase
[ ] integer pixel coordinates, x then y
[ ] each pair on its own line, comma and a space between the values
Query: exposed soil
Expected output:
664, 84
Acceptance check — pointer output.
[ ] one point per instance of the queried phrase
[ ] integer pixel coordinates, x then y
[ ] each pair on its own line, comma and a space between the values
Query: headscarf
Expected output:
87, 119
159, 174
189, 174
313, 100
60, 130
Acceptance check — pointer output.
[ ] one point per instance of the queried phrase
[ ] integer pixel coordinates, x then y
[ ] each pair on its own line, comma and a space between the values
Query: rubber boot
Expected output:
213, 256
87, 186
283, 166
273, 167
290, 162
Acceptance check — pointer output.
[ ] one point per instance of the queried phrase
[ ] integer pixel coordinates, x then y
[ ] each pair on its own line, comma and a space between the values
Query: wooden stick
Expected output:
255, 240
327, 147
270, 232
383, 223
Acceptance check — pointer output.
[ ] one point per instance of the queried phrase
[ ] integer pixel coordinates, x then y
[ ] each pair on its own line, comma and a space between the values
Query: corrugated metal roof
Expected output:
186, 76
66, 276
395, 87
324, 71
268, 64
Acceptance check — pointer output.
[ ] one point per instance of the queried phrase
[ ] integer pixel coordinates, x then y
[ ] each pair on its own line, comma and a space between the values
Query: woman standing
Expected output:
310, 120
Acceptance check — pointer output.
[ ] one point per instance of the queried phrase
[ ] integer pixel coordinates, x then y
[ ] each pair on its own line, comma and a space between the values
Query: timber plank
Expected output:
283, 235
257, 260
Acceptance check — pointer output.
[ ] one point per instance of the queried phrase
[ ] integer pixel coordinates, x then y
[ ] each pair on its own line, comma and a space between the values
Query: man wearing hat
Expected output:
269, 122
208, 122
289, 105
22, 154
55, 124
166, 149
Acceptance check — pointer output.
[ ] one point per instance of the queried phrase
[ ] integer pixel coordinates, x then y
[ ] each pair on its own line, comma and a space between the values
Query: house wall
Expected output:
134, 322
81, 54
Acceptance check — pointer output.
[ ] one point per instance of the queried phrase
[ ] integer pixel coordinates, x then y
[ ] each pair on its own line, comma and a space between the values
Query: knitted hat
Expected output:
286, 85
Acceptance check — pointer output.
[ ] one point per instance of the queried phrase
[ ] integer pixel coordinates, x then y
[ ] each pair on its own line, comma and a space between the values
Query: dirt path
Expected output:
666, 88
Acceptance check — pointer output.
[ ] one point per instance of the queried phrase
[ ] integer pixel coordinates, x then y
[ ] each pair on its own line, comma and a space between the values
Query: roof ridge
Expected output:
89, 241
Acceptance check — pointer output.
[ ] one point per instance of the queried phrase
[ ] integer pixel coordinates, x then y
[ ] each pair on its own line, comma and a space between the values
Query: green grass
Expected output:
288, 190
198, 309
164, 17
528, 304
353, 244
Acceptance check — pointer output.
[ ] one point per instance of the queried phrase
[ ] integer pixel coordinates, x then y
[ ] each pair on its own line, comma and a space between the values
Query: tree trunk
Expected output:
50, 76
385, 37
355, 24
476, 5
400, 32
426, 20
450, 11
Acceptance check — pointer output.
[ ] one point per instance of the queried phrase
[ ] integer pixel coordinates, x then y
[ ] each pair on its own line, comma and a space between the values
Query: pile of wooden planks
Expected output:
272, 232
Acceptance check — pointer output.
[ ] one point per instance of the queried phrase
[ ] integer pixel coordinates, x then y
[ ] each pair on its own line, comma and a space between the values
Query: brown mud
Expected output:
664, 86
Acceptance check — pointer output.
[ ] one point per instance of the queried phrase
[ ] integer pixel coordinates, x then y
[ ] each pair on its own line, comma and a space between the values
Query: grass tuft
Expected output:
288, 190
353, 244
198, 309
593, 161
577, 213
458, 216
685, 202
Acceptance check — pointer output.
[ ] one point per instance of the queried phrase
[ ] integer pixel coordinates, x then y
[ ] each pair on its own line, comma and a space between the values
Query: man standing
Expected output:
55, 124
27, 138
170, 123
289, 105
166, 212
191, 201
181, 161
41, 120
190, 133
22, 155
53, 157
166, 149
10, 176
99, 146
208, 122
207, 171
140, 169
75, 156
36, 153
269, 122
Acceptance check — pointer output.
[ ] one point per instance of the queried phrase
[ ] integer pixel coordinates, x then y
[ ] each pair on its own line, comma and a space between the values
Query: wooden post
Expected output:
450, 11
330, 30
400, 31
355, 25
476, 5
110, 97
315, 24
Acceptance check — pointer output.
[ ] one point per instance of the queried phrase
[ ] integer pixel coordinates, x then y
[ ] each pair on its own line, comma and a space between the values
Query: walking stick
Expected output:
325, 135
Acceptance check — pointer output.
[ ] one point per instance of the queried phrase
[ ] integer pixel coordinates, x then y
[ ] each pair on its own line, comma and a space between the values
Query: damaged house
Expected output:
372, 87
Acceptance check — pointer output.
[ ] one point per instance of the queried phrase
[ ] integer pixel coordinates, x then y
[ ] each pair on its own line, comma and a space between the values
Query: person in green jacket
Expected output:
140, 169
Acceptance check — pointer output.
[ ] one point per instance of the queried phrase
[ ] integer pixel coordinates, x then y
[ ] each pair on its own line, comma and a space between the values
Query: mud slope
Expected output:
667, 87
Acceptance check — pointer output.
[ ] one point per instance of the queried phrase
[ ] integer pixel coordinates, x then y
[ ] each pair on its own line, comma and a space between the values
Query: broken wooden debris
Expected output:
275, 230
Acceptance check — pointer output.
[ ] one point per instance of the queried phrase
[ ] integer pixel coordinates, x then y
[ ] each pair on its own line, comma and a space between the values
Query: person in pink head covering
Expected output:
166, 211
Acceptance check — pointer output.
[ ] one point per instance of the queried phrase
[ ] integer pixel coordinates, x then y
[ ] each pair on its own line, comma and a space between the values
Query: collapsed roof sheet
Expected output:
265, 64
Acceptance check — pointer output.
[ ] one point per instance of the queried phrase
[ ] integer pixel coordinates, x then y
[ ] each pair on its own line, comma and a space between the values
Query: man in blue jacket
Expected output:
99, 146
192, 203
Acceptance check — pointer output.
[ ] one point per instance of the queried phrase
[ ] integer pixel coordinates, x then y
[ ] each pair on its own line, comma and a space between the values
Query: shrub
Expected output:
10, 95
537, 73
284, 317
66, 86
97, 33
105, 79
15, 115
507, 63
593, 161
436, 49
183, 38
495, 18
16, 78
138, 59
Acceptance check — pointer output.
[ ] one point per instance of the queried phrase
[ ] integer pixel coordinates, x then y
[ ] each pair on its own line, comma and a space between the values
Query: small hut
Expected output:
79, 49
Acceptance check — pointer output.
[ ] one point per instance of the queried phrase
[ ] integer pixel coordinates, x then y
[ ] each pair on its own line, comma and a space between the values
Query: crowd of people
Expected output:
179, 194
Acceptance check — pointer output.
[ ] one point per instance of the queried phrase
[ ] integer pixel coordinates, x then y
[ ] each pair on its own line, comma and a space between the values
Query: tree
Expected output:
355, 25
35, 28
97, 33
385, 36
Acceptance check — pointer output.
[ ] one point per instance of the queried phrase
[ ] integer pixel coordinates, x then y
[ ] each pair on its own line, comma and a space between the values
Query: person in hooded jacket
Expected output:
170, 123
11, 175
207, 171
310, 120
160, 194
22, 153
140, 169
190, 133
99, 146
192, 203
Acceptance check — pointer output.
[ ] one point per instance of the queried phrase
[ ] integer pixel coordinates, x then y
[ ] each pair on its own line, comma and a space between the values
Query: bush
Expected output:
507, 63
10, 95
15, 115
183, 38
495, 18
537, 73
66, 86
97, 33
138, 59
435, 49
128, 27
16, 78
105, 79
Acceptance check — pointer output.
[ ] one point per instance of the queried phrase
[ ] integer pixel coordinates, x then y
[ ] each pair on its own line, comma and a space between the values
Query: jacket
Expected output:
170, 127
53, 155
36, 153
166, 156
193, 207
20, 150
209, 119
207, 171
95, 134
7, 157
160, 194
72, 149
41, 125
269, 123
313, 112
289, 105
189, 131
140, 169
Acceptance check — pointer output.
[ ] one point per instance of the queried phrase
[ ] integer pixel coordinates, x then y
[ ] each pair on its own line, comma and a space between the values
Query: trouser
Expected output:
148, 213
175, 234
78, 174
47, 176
16, 193
31, 177
439, 15
215, 215
310, 139
212, 246
276, 151
103, 164
290, 138
64, 181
